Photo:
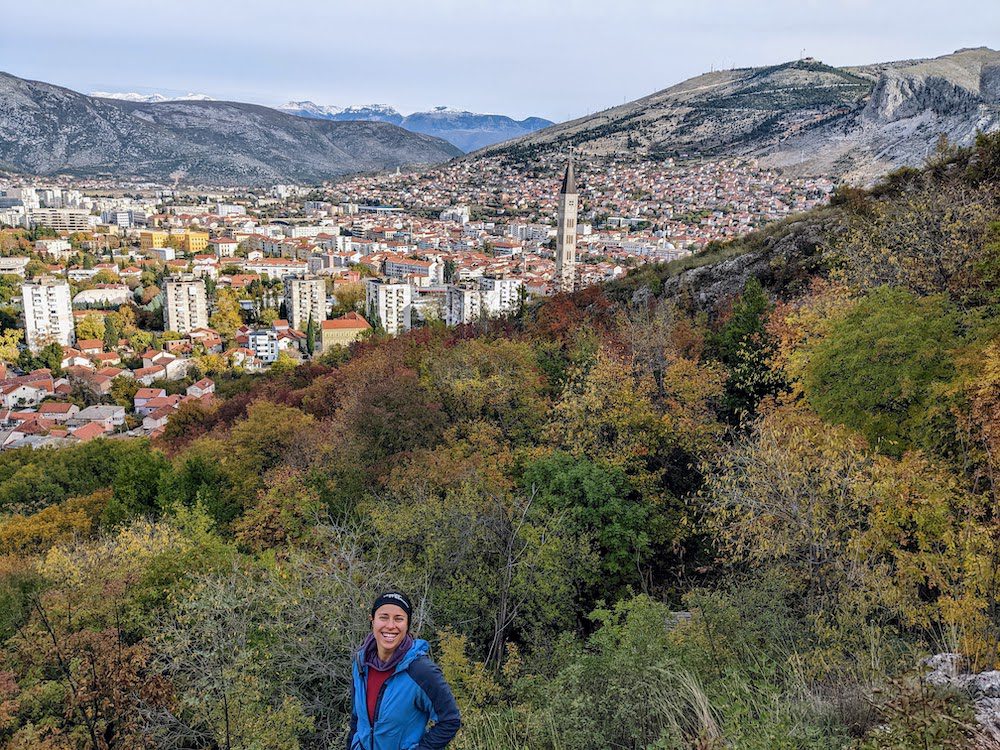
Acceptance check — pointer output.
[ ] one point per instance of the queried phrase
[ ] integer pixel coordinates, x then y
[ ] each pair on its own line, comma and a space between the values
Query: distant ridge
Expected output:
466, 130
131, 96
856, 123
47, 129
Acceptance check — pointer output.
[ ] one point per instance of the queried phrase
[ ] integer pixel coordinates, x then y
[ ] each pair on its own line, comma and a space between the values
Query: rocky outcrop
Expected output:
898, 95
783, 260
947, 670
804, 116
46, 129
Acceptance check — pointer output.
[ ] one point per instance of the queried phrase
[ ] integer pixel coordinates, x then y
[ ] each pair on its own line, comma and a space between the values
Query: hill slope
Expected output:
46, 129
856, 123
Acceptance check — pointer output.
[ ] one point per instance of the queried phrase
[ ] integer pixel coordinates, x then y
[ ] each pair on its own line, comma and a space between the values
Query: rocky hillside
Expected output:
467, 130
46, 129
856, 123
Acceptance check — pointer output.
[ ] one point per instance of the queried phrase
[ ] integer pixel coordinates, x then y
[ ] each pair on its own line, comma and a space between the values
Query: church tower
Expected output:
569, 203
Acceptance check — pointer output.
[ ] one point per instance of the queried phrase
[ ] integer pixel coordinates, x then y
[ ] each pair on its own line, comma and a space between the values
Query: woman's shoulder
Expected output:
426, 674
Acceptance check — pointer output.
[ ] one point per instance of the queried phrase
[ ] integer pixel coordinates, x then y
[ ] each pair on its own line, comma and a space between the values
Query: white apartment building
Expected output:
487, 297
463, 303
224, 247
229, 209
48, 313
456, 213
57, 248
60, 219
27, 195
186, 304
276, 268
305, 297
264, 344
390, 303
400, 267
501, 296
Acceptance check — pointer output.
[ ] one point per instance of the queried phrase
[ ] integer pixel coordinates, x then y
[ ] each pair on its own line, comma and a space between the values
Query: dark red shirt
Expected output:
376, 678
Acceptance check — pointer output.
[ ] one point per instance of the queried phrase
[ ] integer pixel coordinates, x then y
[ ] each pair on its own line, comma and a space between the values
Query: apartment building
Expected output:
186, 304
305, 297
264, 344
276, 268
48, 313
389, 302
57, 248
484, 297
60, 219
463, 303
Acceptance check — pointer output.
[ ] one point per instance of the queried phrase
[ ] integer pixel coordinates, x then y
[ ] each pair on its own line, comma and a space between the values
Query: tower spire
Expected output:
569, 179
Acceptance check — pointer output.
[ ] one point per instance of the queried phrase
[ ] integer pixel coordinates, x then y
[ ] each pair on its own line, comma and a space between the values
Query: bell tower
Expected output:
569, 204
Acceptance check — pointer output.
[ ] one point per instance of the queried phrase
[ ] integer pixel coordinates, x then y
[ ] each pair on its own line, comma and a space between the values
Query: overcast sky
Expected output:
553, 58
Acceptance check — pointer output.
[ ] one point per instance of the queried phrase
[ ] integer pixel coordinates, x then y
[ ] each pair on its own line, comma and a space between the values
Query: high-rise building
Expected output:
186, 304
48, 313
304, 297
389, 303
463, 303
565, 280
485, 297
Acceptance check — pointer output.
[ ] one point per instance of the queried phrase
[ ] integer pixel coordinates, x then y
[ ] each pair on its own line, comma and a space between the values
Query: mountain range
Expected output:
47, 129
131, 96
854, 123
467, 130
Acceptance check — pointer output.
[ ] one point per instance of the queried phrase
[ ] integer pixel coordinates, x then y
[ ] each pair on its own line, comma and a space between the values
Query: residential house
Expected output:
58, 411
107, 415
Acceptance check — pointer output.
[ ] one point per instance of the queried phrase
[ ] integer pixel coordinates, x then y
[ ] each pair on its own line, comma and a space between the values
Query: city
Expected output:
128, 292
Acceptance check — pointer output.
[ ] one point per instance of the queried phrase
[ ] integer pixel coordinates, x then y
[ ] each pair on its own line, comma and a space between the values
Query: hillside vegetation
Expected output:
648, 516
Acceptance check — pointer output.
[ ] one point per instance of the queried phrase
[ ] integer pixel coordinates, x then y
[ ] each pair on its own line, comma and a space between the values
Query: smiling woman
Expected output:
398, 690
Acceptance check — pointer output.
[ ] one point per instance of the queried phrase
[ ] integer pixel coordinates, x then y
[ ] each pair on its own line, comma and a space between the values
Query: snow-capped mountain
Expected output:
467, 130
131, 96
371, 112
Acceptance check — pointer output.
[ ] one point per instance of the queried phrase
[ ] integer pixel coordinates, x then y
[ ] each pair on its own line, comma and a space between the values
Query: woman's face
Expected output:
389, 626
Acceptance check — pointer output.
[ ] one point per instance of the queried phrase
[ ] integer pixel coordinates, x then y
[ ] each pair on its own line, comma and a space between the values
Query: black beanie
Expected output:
398, 598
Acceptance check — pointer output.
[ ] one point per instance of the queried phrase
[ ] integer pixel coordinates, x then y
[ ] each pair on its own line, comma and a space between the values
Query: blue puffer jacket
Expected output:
415, 694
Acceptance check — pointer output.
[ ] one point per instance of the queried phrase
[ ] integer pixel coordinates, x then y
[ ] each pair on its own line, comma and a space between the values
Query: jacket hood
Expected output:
419, 648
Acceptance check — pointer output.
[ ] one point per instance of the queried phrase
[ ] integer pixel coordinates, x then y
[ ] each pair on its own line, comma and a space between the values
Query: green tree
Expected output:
111, 333
137, 481
745, 347
876, 368
600, 505
310, 335
123, 390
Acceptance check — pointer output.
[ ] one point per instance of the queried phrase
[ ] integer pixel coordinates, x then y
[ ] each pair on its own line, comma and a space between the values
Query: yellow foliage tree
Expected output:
76, 517
9, 341
91, 327
226, 318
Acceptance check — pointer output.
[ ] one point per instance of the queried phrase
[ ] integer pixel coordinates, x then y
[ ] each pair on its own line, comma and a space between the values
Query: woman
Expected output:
398, 690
